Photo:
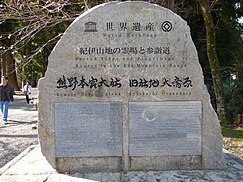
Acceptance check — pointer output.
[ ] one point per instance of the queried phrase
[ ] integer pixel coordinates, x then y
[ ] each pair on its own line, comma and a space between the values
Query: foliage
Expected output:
232, 132
228, 31
35, 27
32, 58
229, 40
234, 98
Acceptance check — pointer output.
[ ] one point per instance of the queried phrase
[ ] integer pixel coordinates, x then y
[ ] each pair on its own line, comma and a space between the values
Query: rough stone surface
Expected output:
124, 56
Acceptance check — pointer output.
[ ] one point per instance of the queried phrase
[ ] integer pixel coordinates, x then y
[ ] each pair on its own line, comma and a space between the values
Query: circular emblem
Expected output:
148, 116
166, 26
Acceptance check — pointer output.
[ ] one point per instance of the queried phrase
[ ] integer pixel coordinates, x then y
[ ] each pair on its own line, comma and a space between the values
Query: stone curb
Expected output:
16, 159
233, 156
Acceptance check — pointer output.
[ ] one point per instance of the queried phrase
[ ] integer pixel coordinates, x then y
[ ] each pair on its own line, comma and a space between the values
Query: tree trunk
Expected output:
240, 66
11, 71
8, 66
240, 79
213, 60
3, 62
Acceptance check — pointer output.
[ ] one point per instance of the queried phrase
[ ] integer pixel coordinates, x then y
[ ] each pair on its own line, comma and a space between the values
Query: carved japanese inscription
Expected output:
133, 55
88, 129
165, 128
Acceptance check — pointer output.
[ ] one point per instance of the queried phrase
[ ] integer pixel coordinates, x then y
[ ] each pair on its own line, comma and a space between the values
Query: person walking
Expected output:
27, 91
6, 96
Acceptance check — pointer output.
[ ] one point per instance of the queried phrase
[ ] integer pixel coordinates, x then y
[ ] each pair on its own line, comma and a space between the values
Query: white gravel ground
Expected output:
18, 134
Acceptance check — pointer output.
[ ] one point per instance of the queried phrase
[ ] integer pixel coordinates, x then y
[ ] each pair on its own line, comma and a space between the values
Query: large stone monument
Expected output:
124, 90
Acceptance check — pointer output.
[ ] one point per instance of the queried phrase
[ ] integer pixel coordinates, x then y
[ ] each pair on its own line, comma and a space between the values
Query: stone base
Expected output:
114, 164
165, 163
32, 165
91, 164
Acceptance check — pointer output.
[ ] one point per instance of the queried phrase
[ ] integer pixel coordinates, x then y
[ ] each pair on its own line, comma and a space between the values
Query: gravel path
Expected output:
18, 135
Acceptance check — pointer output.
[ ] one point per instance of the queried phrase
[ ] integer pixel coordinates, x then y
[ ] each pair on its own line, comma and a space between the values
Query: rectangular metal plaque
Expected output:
88, 129
165, 128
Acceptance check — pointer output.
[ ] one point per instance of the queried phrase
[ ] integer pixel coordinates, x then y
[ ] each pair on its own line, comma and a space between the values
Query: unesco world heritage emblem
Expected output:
90, 27
166, 26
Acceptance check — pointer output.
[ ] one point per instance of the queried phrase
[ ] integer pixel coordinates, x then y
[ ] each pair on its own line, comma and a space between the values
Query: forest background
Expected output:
29, 30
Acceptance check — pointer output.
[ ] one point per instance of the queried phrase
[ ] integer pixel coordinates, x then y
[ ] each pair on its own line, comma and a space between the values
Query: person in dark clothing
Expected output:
6, 96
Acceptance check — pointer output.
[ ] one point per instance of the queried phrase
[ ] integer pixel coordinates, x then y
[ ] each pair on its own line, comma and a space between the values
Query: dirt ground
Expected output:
18, 135
233, 140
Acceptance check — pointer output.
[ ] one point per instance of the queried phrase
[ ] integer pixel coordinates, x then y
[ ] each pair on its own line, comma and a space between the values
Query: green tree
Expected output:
213, 59
226, 40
